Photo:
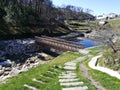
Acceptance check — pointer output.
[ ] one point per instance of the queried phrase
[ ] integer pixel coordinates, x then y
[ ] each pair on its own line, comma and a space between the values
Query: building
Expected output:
106, 16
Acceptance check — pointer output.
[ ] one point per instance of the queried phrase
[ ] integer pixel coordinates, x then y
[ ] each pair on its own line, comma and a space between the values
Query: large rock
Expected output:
1, 72
8, 69
14, 72
6, 73
24, 70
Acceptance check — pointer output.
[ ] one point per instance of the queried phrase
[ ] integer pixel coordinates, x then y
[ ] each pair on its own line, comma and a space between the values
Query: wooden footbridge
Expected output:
58, 44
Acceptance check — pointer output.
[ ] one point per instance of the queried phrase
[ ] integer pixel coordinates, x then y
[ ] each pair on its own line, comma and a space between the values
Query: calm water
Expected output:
88, 43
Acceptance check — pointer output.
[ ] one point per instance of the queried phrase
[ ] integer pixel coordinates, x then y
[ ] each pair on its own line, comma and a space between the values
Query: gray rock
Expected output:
24, 70
1, 72
9, 61
14, 71
8, 69
6, 73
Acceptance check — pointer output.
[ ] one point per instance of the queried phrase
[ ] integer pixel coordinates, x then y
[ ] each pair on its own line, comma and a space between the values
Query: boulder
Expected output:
6, 73
8, 69
14, 71
24, 70
1, 72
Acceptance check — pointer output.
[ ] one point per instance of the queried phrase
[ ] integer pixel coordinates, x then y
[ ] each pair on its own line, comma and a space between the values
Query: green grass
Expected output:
114, 21
107, 81
17, 82
110, 83
81, 26
85, 80
114, 24
94, 51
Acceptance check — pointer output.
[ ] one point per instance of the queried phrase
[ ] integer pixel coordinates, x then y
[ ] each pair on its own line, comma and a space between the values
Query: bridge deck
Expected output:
58, 44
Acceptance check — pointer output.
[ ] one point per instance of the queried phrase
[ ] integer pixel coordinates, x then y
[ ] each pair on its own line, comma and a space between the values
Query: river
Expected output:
88, 43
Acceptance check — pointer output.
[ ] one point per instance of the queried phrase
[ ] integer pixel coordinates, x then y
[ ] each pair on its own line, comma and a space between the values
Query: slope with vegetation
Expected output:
17, 82
26, 18
45, 76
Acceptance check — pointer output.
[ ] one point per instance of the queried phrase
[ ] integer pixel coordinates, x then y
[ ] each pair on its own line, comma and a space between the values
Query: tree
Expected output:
109, 37
75, 13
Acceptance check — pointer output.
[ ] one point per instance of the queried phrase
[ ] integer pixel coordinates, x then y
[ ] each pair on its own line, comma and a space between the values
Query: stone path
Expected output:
86, 75
92, 64
68, 79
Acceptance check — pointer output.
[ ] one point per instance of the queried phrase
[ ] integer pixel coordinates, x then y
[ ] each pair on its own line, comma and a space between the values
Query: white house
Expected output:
106, 16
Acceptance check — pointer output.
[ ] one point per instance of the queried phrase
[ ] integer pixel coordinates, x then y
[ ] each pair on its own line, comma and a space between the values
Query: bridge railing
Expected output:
58, 43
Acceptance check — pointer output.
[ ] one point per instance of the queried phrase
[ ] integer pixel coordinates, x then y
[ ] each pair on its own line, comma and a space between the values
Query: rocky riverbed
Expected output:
20, 55
10, 68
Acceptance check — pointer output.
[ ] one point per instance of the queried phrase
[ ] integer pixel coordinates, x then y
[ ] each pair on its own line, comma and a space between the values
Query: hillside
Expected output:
113, 24
21, 19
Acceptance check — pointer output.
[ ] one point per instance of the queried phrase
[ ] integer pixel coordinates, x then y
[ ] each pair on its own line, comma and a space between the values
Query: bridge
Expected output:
58, 44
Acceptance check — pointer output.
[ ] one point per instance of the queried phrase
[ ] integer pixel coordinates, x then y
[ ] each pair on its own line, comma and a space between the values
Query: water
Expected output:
88, 43
5, 64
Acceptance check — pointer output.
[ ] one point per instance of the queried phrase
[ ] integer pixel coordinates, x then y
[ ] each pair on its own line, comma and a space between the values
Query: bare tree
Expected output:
109, 37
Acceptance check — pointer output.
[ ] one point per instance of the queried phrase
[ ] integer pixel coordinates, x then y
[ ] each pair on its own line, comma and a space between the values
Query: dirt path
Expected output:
93, 82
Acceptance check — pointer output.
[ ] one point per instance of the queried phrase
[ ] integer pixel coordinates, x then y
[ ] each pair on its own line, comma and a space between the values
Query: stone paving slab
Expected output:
30, 87
71, 84
64, 74
76, 88
68, 80
69, 71
35, 80
46, 77
69, 68
68, 76
70, 64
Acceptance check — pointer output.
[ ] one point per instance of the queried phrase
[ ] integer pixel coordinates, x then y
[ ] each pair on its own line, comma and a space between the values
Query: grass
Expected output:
17, 82
94, 51
81, 26
110, 83
114, 24
85, 80
114, 21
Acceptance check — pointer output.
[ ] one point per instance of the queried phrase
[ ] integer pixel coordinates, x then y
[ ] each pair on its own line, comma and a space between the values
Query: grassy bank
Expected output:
81, 26
17, 82
113, 24
110, 83
82, 78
